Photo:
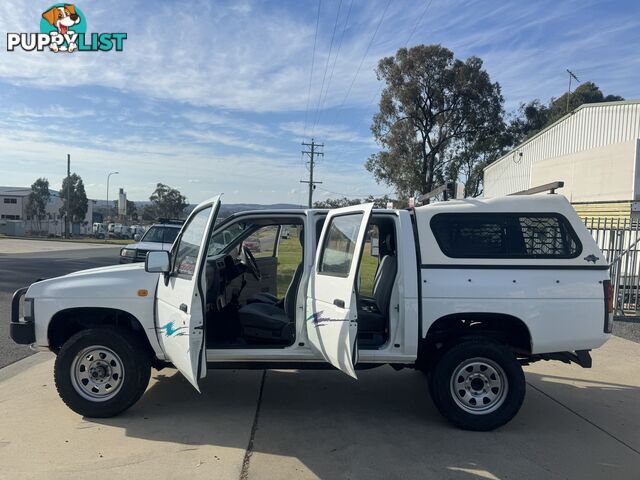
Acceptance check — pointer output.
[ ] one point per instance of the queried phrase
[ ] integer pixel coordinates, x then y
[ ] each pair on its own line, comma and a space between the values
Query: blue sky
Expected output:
212, 97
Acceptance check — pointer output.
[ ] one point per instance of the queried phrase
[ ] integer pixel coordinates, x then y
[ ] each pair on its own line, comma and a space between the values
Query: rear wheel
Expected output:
478, 385
100, 372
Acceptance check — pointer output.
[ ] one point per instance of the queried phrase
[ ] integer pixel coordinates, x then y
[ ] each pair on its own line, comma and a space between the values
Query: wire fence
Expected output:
619, 241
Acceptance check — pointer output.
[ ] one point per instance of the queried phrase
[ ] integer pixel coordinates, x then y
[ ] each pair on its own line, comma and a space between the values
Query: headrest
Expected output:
301, 237
389, 243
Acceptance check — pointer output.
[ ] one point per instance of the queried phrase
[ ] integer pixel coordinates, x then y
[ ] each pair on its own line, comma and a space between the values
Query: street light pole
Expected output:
67, 224
108, 177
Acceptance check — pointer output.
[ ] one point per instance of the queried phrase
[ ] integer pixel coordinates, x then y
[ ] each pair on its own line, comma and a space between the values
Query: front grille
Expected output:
141, 255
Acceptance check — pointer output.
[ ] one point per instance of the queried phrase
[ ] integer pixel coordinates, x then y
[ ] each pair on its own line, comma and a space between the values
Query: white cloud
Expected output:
211, 136
211, 118
329, 132
51, 111
219, 57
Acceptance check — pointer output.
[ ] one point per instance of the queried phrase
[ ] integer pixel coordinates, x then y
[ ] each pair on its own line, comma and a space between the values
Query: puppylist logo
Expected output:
63, 28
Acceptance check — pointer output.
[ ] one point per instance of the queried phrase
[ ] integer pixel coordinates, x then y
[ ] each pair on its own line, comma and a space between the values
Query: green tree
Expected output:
587, 92
132, 211
149, 213
78, 203
379, 202
534, 115
38, 200
168, 202
468, 160
433, 107
529, 120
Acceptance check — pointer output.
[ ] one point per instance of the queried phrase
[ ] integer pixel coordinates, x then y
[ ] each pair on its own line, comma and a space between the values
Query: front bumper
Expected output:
21, 330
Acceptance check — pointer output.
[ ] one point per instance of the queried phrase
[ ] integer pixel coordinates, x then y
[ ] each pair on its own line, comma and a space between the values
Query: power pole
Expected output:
571, 76
66, 216
312, 154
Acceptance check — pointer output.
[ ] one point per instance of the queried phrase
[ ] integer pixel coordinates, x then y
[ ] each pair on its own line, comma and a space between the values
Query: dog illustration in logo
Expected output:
62, 18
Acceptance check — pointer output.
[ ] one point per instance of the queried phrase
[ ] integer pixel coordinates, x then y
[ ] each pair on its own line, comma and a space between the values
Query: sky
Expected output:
216, 96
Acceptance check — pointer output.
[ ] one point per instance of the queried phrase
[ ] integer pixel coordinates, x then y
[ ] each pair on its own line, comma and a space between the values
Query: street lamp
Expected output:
108, 177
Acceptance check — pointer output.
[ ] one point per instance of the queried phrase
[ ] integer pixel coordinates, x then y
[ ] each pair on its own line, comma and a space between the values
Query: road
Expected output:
21, 269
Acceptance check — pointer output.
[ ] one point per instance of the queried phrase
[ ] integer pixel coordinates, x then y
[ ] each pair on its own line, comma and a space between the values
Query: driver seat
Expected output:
273, 323
265, 297
270, 323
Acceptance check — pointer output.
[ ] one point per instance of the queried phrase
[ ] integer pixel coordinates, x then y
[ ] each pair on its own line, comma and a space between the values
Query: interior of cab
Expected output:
377, 275
253, 274
374, 298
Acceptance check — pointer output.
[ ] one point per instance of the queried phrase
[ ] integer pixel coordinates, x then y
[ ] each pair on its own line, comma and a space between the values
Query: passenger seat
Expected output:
373, 311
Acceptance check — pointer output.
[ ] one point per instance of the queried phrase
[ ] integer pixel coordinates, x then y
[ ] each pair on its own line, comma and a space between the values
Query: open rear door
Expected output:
332, 314
180, 297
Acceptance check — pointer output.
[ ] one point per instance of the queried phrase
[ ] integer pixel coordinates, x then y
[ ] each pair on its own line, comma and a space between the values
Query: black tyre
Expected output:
478, 385
100, 372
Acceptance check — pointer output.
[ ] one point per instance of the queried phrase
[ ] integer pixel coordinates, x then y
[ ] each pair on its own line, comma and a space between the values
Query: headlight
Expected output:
127, 252
28, 308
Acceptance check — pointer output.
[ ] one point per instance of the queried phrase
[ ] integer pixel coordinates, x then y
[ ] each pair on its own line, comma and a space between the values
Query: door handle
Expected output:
338, 303
183, 307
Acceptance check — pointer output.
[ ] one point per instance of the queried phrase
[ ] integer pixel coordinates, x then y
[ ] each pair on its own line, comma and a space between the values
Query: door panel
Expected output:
332, 314
179, 300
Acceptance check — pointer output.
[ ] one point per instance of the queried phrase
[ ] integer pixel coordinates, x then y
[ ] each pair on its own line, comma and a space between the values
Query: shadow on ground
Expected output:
323, 424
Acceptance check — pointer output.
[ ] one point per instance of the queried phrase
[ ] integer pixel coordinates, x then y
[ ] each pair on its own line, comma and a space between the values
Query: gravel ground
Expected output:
627, 328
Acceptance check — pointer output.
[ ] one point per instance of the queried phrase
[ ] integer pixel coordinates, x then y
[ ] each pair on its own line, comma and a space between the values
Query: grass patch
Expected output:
290, 255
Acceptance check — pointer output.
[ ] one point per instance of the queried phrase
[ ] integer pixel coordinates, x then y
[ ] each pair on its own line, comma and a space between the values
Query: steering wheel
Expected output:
250, 262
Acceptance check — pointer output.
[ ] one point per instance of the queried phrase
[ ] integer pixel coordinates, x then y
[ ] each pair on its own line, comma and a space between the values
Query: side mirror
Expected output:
137, 237
158, 262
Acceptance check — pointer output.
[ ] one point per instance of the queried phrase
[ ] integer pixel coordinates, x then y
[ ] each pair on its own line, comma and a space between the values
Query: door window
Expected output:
339, 245
369, 260
289, 256
262, 243
189, 246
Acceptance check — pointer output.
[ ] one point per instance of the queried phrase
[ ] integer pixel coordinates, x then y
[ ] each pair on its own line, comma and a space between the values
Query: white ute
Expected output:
466, 291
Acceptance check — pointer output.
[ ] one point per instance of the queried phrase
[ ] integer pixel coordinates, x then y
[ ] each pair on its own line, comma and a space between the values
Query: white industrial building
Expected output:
594, 150
15, 219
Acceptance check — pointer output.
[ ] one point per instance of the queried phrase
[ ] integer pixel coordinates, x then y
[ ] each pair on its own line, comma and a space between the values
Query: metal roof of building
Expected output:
15, 191
588, 127
6, 191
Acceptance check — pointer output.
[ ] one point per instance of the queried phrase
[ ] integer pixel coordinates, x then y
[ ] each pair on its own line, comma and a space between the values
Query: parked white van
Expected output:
467, 291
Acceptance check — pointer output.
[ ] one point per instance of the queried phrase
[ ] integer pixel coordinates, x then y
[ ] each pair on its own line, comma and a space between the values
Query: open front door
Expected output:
332, 313
180, 297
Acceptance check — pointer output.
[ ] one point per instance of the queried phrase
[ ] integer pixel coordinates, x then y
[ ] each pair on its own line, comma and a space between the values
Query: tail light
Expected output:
608, 306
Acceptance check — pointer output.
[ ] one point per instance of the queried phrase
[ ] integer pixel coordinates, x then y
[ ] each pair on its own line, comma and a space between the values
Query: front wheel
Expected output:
100, 372
478, 385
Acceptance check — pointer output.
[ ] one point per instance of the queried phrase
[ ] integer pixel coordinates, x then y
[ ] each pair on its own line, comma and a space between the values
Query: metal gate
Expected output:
619, 240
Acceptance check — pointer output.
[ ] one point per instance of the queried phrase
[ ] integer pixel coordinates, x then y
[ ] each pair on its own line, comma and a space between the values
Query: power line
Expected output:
406, 44
326, 65
418, 22
333, 67
313, 57
365, 54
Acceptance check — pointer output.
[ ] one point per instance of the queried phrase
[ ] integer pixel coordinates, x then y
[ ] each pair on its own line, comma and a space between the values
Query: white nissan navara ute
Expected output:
466, 291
